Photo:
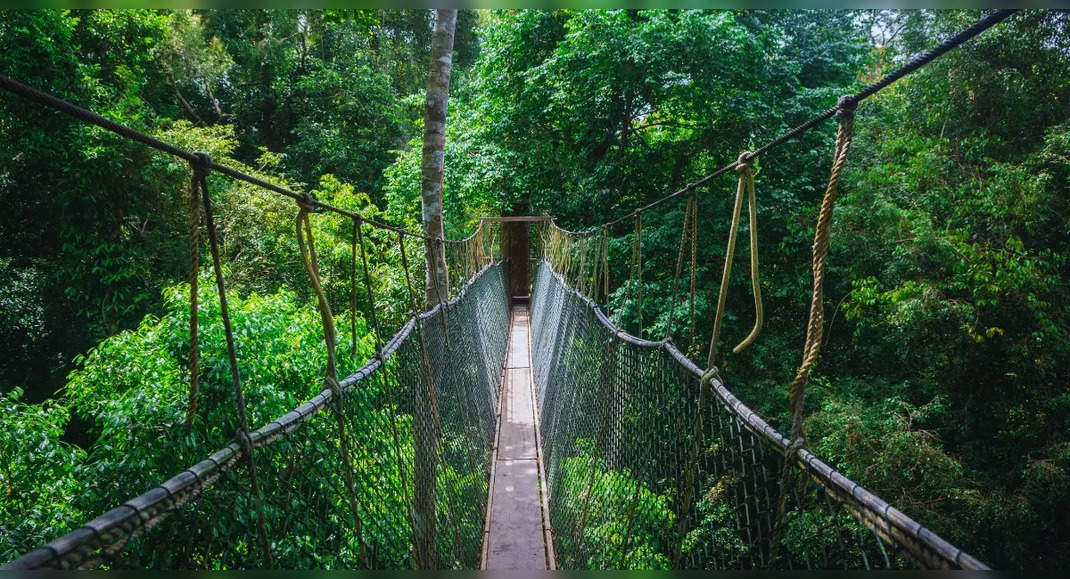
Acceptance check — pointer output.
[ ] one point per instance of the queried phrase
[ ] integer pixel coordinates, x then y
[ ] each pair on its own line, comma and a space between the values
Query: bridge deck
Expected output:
516, 535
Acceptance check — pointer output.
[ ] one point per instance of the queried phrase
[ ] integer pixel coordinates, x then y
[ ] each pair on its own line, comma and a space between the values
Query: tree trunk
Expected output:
438, 92
426, 435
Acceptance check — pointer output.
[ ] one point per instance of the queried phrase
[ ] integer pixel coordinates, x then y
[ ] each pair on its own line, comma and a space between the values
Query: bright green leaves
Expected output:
40, 475
610, 535
132, 390
193, 63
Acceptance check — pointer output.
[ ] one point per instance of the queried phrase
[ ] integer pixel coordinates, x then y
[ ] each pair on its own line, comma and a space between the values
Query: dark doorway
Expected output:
517, 249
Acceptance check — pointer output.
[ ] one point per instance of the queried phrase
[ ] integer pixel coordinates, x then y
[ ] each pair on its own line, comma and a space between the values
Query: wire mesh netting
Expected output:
648, 468
398, 439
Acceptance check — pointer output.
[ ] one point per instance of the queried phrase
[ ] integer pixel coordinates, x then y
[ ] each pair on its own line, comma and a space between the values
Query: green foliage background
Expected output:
943, 382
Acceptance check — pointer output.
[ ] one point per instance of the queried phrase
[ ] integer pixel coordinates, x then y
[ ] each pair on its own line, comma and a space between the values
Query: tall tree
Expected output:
438, 92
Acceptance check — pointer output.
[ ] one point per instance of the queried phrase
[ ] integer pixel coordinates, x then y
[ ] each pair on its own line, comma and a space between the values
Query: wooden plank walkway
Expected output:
517, 530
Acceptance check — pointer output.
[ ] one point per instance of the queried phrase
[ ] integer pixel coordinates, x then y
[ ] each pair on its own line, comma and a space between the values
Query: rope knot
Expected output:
744, 161
710, 374
245, 442
798, 443
335, 387
847, 105
309, 203
201, 165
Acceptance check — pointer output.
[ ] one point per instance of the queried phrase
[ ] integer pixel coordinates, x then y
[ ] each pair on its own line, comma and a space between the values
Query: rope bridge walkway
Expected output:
480, 436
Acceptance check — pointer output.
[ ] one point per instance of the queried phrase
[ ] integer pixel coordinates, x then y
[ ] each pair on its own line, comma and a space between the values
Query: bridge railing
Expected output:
203, 517
649, 468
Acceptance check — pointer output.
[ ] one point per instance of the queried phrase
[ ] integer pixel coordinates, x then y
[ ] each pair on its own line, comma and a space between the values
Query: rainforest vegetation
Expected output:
943, 381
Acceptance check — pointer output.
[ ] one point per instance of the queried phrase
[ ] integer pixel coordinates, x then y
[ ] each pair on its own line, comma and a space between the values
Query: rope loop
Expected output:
822, 232
744, 189
793, 448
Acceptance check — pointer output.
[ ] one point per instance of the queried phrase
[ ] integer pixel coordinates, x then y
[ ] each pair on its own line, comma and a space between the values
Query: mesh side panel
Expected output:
621, 447
204, 518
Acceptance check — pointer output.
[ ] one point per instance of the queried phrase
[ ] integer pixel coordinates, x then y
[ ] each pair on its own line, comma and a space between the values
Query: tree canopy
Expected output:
942, 384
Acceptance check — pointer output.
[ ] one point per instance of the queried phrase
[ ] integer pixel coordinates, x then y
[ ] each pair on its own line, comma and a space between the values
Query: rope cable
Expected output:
821, 246
816, 319
306, 246
684, 231
748, 176
203, 164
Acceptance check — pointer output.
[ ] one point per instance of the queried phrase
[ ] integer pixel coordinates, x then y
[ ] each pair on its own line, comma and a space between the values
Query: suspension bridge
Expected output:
515, 424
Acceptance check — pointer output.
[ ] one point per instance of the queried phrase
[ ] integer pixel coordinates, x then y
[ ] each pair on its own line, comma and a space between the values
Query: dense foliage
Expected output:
943, 381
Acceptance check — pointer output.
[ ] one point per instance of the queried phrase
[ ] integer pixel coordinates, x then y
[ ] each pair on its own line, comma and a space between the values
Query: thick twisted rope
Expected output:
306, 245
816, 321
821, 246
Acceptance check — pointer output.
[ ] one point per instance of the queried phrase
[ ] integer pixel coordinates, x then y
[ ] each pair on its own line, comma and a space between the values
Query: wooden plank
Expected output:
515, 537
517, 439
